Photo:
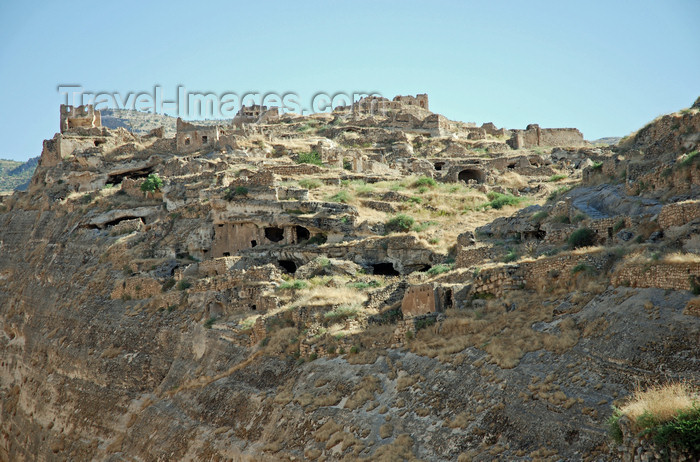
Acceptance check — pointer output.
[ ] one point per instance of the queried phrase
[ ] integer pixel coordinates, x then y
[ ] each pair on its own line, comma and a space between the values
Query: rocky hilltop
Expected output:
375, 283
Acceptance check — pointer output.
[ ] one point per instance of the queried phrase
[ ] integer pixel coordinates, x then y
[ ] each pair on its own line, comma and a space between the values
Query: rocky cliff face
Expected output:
116, 343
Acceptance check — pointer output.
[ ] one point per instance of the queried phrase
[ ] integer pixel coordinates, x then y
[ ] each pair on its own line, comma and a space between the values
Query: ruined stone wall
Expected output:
138, 287
496, 280
81, 116
559, 268
217, 266
664, 275
419, 300
534, 136
190, 137
679, 213
472, 256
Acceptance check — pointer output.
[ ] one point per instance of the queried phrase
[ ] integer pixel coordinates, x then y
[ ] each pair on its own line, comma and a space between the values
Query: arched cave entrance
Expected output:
303, 234
384, 269
471, 174
274, 233
438, 165
288, 265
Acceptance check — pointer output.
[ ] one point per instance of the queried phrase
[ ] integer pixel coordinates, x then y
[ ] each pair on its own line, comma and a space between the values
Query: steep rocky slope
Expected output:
260, 307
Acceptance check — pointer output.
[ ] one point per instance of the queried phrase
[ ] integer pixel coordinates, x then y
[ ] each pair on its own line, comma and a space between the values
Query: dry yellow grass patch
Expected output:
401, 449
364, 391
661, 401
678, 257
328, 296
506, 336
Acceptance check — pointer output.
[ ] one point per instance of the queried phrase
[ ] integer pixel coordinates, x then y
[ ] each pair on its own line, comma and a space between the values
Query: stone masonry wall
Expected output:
679, 213
676, 276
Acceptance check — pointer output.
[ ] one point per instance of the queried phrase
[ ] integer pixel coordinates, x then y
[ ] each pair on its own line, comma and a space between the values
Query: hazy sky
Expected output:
605, 67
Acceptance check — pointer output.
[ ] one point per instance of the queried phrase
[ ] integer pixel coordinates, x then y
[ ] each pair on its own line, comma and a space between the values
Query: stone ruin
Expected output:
81, 116
534, 136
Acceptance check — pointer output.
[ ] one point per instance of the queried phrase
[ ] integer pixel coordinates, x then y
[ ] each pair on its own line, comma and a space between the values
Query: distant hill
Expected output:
137, 122
15, 175
143, 122
608, 140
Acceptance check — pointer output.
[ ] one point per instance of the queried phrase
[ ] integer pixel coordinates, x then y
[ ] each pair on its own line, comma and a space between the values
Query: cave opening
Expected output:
471, 174
288, 265
274, 234
384, 269
303, 234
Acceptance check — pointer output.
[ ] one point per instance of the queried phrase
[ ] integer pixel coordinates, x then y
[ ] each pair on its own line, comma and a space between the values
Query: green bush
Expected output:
512, 255
439, 269
539, 216
168, 284
498, 200
560, 190
341, 196
312, 157
554, 178
689, 158
310, 183
619, 225
230, 194
340, 314
561, 219
425, 182
597, 166
152, 183
209, 322
614, 429
293, 285
582, 237
683, 432
582, 267
400, 223
184, 285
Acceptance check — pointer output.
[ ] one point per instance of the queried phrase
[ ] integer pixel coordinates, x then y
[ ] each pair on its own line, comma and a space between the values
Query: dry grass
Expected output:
329, 296
401, 449
679, 257
505, 336
364, 391
661, 401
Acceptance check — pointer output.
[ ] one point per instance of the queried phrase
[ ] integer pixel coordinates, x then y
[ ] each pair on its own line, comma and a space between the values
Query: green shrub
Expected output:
341, 196
347, 165
339, 314
512, 255
619, 225
415, 200
498, 200
554, 178
689, 158
312, 157
579, 217
557, 192
582, 237
400, 223
293, 285
317, 239
425, 181
597, 166
561, 219
184, 285
614, 429
168, 284
209, 322
439, 269
310, 183
539, 216
152, 183
682, 432
230, 194
588, 269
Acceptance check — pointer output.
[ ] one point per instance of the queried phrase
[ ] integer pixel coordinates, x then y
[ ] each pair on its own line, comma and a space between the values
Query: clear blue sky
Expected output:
605, 67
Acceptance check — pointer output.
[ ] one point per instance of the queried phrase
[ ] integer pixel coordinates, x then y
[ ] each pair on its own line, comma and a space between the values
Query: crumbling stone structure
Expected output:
679, 213
534, 136
81, 116
256, 114
192, 137
420, 100
664, 275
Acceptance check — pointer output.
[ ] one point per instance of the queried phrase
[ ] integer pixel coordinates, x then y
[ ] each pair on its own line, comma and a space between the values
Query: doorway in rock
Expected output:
303, 234
274, 233
288, 265
469, 174
384, 269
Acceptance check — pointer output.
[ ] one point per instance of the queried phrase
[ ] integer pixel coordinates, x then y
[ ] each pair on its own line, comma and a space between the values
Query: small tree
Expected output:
151, 184
582, 237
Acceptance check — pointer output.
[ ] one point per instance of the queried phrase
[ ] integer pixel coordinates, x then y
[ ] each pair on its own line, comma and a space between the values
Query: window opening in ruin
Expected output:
274, 234
471, 174
253, 243
511, 166
227, 254
384, 269
439, 165
205, 139
253, 307
422, 268
288, 265
303, 234
187, 141
610, 232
